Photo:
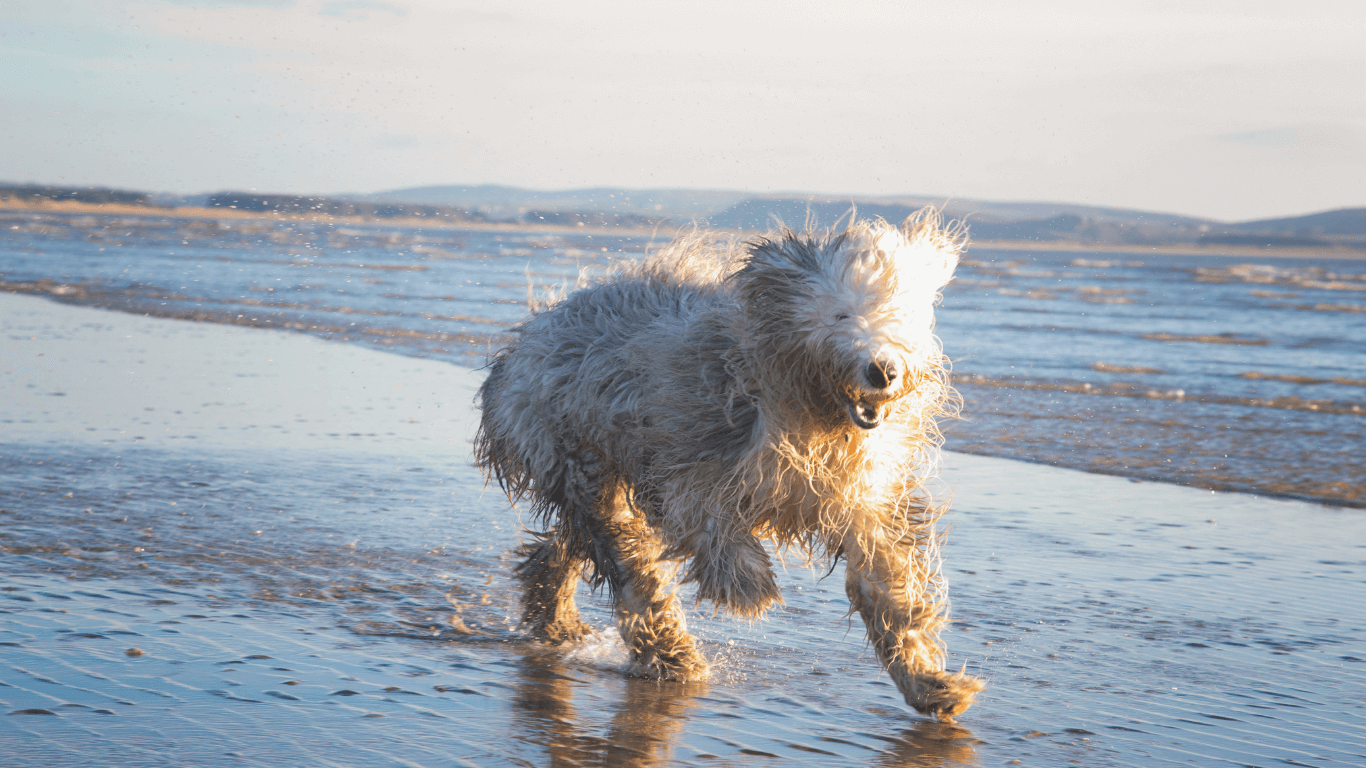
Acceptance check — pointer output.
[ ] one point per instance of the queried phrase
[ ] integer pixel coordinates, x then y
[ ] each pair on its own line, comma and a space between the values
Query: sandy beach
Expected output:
224, 545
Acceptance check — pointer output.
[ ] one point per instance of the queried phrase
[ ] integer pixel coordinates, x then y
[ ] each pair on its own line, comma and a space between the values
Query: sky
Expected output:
1229, 110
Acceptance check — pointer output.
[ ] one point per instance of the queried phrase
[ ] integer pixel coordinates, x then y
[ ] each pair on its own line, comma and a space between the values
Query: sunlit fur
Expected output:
680, 411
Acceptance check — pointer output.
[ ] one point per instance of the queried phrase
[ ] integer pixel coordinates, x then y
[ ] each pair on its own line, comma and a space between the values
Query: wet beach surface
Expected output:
311, 572
1160, 367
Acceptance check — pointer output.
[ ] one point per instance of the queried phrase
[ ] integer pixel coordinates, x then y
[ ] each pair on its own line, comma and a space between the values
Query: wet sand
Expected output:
235, 546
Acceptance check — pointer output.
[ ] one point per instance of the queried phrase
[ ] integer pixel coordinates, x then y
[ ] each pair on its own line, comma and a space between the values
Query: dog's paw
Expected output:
682, 663
944, 695
567, 630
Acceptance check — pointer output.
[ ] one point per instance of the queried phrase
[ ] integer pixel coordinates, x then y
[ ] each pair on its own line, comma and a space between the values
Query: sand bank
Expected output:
291, 535
198, 212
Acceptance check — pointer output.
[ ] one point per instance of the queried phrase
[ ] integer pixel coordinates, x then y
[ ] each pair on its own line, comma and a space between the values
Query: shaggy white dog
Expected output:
718, 394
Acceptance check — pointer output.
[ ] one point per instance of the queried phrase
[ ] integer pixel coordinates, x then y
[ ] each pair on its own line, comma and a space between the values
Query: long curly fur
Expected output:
680, 411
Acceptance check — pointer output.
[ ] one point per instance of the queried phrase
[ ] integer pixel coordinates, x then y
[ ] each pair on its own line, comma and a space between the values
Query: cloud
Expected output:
359, 9
1311, 144
232, 3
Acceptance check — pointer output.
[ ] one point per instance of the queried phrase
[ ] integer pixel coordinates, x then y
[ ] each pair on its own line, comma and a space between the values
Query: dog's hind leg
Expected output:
648, 610
550, 575
598, 524
893, 581
649, 613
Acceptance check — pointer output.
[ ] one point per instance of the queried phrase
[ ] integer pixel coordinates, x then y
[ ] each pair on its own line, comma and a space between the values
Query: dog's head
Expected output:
844, 319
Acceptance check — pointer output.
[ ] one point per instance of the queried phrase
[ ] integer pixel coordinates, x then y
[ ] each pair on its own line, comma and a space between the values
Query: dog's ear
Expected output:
931, 248
787, 251
774, 279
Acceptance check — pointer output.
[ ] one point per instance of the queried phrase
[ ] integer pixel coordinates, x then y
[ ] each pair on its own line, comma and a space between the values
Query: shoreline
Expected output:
1203, 485
1197, 251
67, 207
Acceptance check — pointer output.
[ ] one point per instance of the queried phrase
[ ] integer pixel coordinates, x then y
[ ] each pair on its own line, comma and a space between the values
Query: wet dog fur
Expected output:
664, 421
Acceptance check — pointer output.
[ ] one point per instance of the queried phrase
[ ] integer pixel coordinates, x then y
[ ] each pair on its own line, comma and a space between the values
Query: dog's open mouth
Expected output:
864, 414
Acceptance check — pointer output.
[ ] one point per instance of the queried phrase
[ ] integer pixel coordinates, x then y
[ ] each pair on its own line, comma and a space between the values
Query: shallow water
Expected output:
1171, 368
1185, 369
342, 599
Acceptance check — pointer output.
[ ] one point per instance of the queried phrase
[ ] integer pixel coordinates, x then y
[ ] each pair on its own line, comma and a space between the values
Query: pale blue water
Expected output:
1238, 373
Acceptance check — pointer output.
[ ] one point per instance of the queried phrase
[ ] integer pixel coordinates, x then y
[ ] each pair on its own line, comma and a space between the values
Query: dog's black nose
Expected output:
881, 374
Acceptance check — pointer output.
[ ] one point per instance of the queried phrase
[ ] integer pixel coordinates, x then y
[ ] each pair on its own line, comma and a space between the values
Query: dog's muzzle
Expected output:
864, 414
880, 376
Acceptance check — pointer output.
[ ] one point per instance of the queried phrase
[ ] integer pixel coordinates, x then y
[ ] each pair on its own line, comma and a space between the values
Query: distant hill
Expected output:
1344, 221
741, 210
988, 220
1063, 222
730, 209
984, 215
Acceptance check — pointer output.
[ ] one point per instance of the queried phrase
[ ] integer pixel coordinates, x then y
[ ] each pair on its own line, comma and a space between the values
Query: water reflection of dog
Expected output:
648, 719
644, 722
717, 395
930, 745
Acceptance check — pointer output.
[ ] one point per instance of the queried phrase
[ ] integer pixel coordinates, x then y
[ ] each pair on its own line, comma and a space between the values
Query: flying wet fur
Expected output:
665, 420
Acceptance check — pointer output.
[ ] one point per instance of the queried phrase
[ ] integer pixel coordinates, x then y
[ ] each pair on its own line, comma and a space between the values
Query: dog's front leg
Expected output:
731, 569
724, 558
893, 581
